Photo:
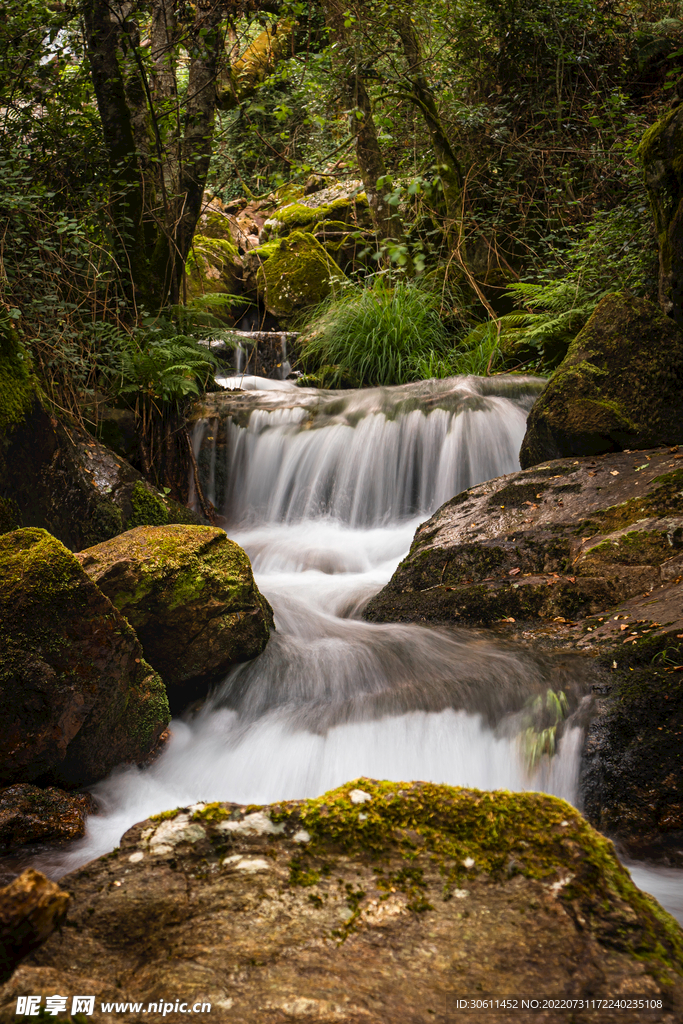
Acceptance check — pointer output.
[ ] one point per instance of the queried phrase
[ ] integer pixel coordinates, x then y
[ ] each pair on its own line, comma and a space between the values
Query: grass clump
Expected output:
386, 333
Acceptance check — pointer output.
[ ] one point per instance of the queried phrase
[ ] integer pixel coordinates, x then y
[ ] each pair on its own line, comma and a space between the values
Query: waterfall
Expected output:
325, 490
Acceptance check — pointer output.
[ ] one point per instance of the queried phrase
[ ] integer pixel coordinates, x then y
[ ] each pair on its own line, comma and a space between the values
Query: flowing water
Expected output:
324, 490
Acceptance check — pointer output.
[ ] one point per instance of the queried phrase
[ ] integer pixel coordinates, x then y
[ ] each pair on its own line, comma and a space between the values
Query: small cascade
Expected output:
324, 490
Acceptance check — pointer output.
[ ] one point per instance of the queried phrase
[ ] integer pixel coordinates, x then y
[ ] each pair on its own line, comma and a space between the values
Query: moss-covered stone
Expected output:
378, 901
345, 205
213, 266
661, 153
75, 487
619, 387
190, 595
297, 275
77, 697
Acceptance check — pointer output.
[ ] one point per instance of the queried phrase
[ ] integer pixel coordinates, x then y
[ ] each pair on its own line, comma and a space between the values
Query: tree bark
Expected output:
421, 94
368, 151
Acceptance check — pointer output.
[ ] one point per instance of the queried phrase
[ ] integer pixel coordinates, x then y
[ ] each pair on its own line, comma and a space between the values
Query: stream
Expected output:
324, 490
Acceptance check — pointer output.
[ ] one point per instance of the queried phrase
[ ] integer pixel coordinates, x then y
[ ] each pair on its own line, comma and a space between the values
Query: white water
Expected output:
325, 492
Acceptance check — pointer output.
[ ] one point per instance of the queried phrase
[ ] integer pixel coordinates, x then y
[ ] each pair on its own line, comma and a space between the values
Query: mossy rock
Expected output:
346, 205
75, 487
29, 814
189, 593
297, 275
77, 697
619, 387
396, 896
212, 266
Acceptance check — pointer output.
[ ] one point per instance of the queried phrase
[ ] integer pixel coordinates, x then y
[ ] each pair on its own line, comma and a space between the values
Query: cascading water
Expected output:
325, 490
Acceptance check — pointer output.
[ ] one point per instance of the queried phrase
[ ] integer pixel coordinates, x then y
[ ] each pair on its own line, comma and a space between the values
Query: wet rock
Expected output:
77, 697
582, 556
31, 907
189, 593
388, 911
29, 814
563, 540
620, 386
76, 488
632, 768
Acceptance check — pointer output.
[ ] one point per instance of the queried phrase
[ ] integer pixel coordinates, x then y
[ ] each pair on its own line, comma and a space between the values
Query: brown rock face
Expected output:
32, 815
30, 910
190, 595
77, 697
584, 555
619, 387
377, 903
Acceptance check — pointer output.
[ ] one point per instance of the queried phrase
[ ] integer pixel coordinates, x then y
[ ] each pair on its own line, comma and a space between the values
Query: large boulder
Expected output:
189, 593
77, 697
375, 903
619, 387
586, 556
295, 275
79, 490
566, 539
299, 210
213, 267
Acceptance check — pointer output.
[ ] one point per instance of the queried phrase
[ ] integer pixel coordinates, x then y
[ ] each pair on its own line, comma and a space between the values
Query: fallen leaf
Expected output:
614, 472
623, 627
591, 472
510, 619
513, 572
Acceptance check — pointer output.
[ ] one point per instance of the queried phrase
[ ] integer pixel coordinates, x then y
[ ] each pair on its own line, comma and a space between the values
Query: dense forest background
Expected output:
495, 141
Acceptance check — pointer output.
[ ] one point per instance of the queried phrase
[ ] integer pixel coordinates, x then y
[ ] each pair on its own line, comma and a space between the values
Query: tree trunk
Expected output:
368, 152
421, 94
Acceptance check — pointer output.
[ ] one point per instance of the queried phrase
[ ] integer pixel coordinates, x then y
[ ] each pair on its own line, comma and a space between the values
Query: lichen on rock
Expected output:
190, 595
439, 890
620, 386
77, 697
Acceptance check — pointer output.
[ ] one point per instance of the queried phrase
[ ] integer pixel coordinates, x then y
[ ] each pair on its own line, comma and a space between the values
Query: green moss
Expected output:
146, 710
297, 275
32, 561
147, 508
17, 383
212, 812
543, 837
166, 815
211, 266
297, 216
633, 548
514, 495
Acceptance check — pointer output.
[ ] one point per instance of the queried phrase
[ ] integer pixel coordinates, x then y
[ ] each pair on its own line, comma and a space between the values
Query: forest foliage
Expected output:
496, 141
